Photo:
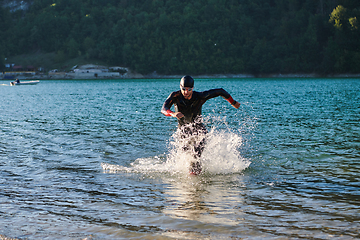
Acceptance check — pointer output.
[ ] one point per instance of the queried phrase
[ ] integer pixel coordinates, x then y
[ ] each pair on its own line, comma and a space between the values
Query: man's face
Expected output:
186, 92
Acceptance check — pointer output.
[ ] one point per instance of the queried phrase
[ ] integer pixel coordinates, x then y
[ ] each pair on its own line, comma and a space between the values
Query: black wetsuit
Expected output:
191, 124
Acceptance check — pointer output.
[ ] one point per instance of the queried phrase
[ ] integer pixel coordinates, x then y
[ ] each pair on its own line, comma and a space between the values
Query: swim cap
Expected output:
187, 81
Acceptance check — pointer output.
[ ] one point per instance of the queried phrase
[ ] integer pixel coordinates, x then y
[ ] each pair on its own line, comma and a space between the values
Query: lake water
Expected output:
97, 160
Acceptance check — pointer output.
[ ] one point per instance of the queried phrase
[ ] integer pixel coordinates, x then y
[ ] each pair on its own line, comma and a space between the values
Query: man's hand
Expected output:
236, 105
178, 115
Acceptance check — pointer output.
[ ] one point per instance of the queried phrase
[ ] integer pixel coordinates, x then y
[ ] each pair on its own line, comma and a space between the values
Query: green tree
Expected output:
338, 17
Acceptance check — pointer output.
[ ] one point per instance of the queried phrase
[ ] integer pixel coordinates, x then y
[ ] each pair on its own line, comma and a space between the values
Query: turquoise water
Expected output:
97, 160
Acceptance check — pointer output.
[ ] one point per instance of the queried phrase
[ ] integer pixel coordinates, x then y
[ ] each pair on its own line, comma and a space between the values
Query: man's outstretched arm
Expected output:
221, 92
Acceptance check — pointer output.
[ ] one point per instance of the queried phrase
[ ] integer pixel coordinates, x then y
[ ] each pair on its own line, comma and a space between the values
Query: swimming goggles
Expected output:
188, 89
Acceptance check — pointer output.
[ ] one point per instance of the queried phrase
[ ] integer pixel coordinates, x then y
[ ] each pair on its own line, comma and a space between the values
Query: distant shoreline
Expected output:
295, 75
66, 76
96, 71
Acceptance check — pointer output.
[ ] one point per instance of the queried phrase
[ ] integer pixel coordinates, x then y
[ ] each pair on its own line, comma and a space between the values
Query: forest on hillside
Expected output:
192, 37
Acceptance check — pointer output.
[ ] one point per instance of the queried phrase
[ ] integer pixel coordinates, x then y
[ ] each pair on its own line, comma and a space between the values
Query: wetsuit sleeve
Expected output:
218, 92
167, 105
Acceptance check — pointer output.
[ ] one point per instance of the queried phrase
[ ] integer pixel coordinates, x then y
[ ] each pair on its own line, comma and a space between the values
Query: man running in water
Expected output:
188, 105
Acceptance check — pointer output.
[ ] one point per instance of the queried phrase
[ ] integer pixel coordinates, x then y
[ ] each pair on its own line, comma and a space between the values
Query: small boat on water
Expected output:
24, 83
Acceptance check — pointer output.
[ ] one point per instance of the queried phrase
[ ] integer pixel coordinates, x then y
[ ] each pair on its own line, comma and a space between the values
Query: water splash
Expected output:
220, 156
141, 165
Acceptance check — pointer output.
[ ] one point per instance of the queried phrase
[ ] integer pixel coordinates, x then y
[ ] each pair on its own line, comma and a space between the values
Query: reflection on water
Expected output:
196, 199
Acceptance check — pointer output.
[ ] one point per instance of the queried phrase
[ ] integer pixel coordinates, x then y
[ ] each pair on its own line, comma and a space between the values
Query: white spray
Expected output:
220, 156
